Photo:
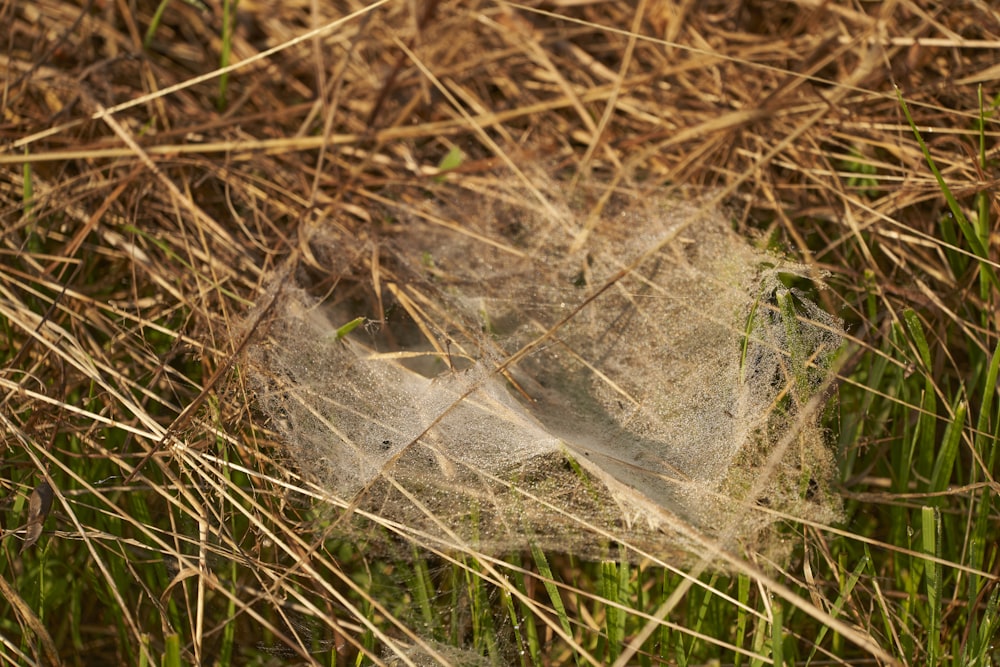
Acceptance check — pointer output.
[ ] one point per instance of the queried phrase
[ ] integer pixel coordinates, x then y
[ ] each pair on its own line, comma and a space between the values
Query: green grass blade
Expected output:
742, 616
930, 520
945, 461
919, 338
154, 24
614, 585
751, 323
423, 589
759, 643
986, 406
172, 651
846, 588
777, 634
453, 160
542, 563
927, 422
225, 56
484, 637
983, 203
979, 651
971, 237
520, 638
793, 341
345, 329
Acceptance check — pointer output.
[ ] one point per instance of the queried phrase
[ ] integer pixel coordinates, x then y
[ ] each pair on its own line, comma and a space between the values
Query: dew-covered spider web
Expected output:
541, 374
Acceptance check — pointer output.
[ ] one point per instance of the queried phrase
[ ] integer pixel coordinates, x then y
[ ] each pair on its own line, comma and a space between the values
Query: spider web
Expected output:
565, 381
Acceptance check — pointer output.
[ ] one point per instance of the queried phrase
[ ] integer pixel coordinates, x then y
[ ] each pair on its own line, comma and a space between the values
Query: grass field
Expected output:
170, 170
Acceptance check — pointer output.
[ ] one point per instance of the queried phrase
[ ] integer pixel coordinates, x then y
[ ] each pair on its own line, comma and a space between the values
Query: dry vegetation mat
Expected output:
562, 332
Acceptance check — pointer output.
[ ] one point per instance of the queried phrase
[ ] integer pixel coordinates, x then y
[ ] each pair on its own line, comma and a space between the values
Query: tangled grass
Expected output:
162, 164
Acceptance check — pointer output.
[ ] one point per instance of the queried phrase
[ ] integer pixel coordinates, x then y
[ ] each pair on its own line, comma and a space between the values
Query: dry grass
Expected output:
145, 209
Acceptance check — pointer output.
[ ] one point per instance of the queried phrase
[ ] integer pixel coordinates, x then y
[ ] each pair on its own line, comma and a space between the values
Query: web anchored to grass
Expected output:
521, 386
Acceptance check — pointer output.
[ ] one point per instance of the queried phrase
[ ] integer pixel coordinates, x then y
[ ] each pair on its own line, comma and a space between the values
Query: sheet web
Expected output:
497, 403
